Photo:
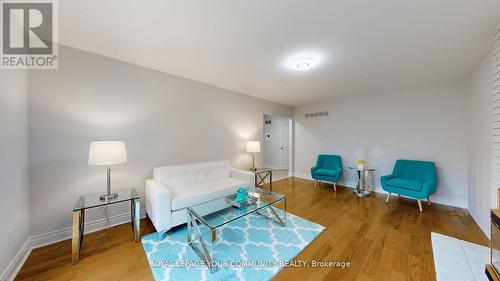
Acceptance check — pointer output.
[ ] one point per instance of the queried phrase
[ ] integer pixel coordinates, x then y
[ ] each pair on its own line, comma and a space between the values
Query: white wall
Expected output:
164, 120
14, 189
481, 195
427, 123
272, 142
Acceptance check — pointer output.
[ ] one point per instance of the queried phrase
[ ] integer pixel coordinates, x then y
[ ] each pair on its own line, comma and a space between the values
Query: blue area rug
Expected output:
252, 248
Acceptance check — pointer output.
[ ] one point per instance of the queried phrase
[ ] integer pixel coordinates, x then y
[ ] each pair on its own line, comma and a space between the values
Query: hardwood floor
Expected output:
382, 242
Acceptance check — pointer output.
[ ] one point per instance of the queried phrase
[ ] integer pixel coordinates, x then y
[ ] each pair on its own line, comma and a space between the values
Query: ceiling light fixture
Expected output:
304, 61
303, 65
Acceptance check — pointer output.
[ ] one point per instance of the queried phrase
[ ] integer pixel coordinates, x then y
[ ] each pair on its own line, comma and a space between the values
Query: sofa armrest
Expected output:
158, 204
244, 175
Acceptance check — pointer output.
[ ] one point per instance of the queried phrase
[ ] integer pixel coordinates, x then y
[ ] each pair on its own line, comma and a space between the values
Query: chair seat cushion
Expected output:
190, 195
406, 184
326, 172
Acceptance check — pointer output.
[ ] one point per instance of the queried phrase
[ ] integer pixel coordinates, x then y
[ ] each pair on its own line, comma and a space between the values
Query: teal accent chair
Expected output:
416, 179
328, 168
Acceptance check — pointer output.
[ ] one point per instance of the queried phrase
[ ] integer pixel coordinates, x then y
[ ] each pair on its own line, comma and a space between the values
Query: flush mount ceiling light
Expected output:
304, 65
304, 61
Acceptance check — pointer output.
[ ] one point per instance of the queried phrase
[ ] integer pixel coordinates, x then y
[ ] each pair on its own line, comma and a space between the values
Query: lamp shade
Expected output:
253, 146
107, 153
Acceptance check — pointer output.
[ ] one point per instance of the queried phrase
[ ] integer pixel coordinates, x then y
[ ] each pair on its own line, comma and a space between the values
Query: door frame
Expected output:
290, 139
283, 123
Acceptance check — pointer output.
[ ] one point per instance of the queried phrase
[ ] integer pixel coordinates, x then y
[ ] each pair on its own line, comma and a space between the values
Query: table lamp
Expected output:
107, 153
253, 147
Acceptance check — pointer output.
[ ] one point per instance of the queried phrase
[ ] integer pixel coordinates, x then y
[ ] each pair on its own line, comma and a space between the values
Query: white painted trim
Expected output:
45, 239
280, 178
15, 265
290, 145
93, 226
381, 191
302, 176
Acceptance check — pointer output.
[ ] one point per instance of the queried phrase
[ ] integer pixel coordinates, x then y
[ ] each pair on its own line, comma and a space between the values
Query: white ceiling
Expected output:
365, 46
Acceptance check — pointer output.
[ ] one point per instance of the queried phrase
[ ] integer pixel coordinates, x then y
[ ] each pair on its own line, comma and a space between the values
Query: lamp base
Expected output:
110, 196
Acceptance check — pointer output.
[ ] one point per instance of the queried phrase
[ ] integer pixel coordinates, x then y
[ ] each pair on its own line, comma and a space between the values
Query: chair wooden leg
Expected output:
388, 198
335, 186
315, 183
419, 205
428, 200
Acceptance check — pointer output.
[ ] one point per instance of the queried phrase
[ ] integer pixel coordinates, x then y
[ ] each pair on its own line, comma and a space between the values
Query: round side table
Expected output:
361, 184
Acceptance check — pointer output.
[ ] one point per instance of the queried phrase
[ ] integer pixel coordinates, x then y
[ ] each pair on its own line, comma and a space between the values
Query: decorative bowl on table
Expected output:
241, 198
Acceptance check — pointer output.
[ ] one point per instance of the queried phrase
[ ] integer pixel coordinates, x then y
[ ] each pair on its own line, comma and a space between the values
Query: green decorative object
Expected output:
241, 195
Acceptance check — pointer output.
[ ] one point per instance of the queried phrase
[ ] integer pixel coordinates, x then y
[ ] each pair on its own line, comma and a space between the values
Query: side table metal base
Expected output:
79, 228
261, 176
362, 193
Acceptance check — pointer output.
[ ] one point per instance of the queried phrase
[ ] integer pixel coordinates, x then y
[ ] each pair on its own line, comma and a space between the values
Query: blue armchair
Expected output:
416, 179
328, 168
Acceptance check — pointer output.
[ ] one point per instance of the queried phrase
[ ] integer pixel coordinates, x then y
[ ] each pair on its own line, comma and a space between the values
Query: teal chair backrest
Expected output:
330, 162
415, 170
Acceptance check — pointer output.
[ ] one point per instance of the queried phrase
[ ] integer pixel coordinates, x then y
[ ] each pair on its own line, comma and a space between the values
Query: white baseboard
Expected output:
45, 239
15, 265
302, 176
93, 226
381, 191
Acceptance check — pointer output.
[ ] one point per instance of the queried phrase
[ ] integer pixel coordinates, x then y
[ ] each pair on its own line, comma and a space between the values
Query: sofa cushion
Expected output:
194, 173
190, 195
406, 184
326, 172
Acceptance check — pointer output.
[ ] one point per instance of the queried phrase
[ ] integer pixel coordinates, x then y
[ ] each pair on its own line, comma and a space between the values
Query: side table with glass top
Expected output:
261, 174
90, 201
361, 181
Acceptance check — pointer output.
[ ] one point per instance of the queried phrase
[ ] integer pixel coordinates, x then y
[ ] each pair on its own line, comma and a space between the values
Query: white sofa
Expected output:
174, 188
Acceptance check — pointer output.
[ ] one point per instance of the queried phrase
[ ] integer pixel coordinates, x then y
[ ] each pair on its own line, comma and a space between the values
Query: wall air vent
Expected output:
317, 114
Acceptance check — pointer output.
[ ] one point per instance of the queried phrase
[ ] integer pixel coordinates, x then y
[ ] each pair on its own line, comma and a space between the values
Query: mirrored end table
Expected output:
90, 201
261, 174
361, 183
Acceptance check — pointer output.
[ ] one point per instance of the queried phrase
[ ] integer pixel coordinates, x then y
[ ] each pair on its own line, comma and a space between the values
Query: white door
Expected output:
284, 134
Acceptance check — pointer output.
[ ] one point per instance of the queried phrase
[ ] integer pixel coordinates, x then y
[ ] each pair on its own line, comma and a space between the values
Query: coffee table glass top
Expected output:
92, 200
219, 212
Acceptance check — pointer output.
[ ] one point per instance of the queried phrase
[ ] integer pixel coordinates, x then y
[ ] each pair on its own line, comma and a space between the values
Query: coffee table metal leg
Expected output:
214, 238
270, 180
278, 220
194, 230
284, 210
189, 227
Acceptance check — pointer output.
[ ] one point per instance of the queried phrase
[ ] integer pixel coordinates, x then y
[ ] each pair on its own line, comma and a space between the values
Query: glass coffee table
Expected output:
217, 213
